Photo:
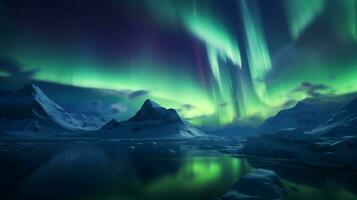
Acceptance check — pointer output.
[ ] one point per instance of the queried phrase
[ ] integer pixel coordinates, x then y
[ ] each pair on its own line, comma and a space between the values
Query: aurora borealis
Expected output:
216, 62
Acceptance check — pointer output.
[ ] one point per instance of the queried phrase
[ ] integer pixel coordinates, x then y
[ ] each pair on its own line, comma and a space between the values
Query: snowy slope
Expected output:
59, 115
151, 121
29, 109
305, 115
343, 123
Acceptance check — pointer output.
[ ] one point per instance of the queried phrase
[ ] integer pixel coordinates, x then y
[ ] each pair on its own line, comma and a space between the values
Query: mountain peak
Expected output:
152, 121
151, 110
150, 104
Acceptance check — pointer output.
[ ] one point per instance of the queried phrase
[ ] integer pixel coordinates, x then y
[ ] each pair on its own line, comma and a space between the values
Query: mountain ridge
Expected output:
30, 109
151, 121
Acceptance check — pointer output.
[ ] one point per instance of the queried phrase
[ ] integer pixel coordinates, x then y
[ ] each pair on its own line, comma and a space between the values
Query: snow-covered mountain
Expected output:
30, 110
333, 143
305, 115
343, 123
151, 121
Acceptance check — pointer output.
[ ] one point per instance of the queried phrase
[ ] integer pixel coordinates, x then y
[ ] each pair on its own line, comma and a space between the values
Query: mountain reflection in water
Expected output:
116, 171
147, 170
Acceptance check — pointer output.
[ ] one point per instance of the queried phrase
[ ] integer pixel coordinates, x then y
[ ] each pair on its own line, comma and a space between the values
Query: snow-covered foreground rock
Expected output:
151, 121
260, 184
332, 144
29, 110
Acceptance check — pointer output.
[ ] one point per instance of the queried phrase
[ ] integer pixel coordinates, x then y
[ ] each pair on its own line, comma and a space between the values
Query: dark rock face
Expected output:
152, 111
20, 104
110, 125
260, 184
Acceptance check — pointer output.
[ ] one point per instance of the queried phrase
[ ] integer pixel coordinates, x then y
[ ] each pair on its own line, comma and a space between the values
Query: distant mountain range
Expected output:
306, 115
30, 110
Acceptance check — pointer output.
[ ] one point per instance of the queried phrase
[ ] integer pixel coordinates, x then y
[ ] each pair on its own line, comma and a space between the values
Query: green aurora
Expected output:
248, 69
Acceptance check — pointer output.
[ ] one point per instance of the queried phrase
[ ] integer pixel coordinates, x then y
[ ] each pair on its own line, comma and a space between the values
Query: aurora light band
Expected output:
231, 61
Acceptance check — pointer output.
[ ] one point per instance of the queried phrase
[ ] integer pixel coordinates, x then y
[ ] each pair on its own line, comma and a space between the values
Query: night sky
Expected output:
217, 62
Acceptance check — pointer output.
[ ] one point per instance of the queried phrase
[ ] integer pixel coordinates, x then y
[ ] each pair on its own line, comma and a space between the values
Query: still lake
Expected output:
146, 170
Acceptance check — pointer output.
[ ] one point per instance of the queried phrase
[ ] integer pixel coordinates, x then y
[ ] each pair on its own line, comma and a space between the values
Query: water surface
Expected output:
115, 170
147, 170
